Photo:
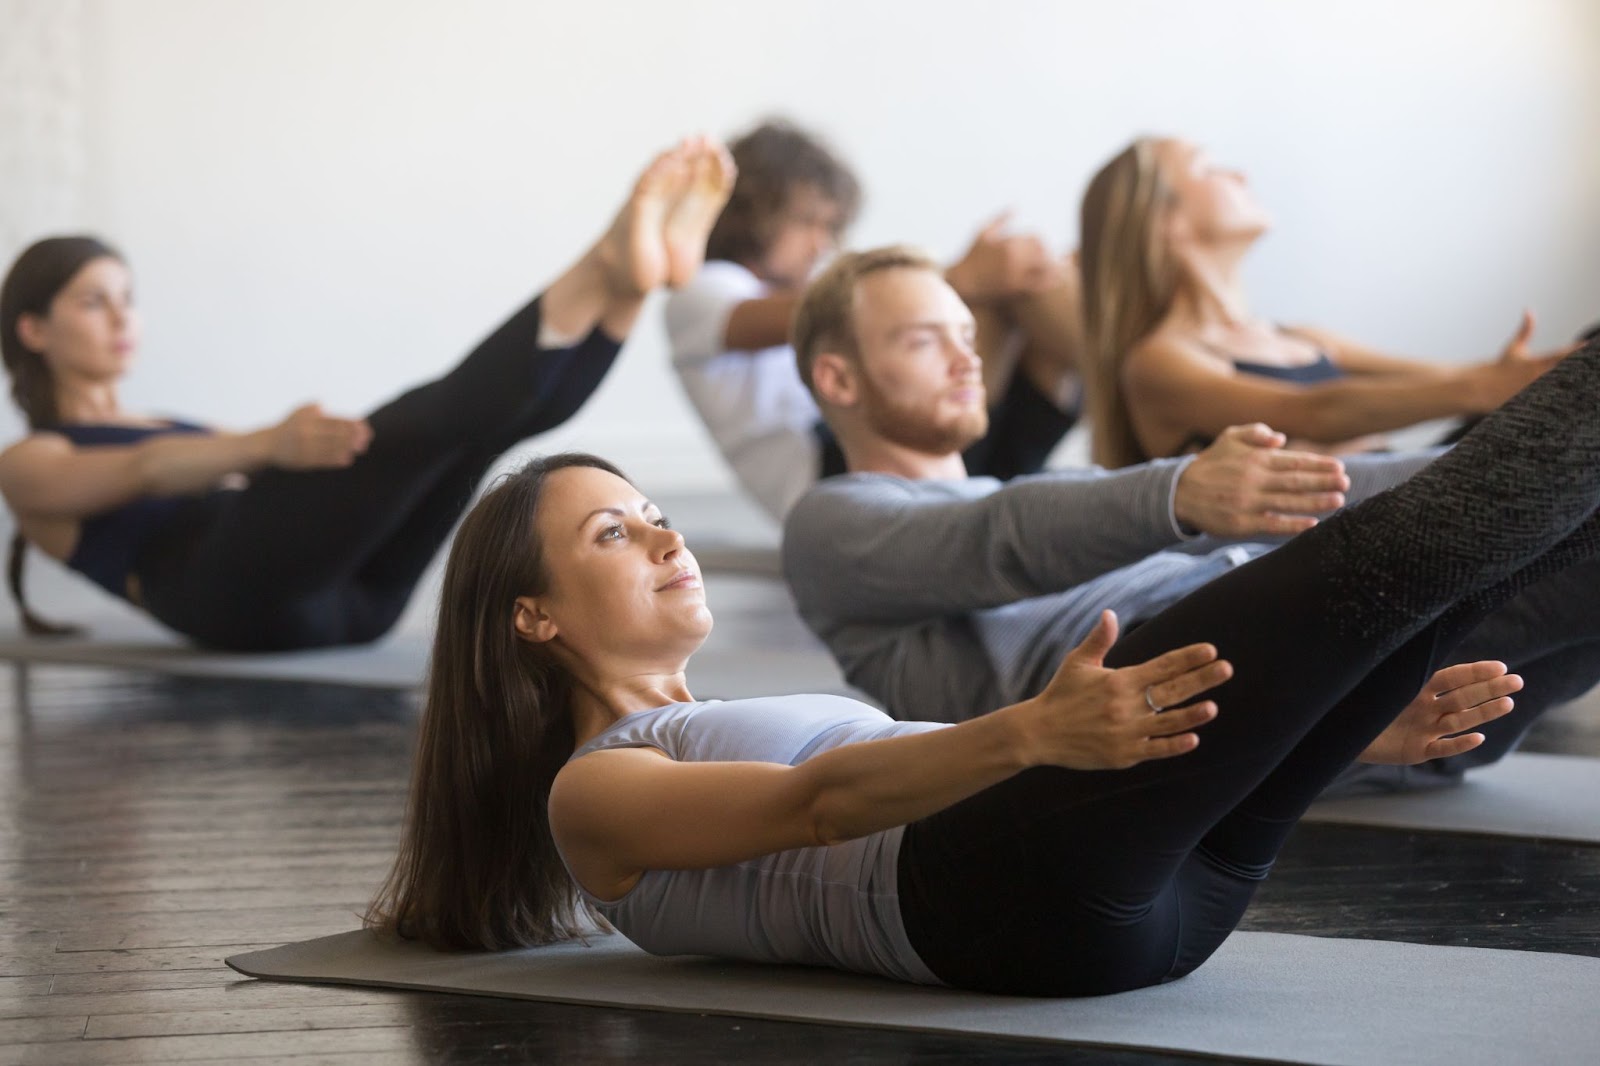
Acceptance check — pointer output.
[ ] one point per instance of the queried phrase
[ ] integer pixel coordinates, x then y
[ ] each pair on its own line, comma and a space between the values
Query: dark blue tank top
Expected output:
1323, 369
1305, 374
110, 542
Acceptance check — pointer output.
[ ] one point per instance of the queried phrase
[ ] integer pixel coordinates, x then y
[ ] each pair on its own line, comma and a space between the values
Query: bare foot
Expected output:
692, 216
633, 253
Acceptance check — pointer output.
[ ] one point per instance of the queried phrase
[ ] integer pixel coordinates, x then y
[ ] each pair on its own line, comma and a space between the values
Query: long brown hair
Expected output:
478, 867
31, 285
1129, 281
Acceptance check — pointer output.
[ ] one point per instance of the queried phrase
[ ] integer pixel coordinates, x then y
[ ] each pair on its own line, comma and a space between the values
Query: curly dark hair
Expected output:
772, 159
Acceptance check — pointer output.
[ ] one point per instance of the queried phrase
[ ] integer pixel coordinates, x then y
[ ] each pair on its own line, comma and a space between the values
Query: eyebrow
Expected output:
617, 511
935, 324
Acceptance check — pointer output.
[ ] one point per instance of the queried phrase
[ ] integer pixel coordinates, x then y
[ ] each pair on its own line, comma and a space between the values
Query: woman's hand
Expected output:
1093, 718
1518, 366
1455, 699
311, 440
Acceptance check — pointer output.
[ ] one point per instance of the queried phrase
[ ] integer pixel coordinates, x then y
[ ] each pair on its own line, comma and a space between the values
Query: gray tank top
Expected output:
823, 906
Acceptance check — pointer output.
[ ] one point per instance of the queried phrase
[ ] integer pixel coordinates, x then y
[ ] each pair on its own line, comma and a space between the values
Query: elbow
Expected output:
827, 823
144, 474
822, 828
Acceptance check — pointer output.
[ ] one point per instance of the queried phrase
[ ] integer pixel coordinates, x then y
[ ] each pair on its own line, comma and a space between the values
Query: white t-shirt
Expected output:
754, 403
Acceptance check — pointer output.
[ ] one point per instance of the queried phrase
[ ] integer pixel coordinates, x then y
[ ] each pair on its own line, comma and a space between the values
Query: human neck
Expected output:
87, 401
1211, 290
867, 454
601, 698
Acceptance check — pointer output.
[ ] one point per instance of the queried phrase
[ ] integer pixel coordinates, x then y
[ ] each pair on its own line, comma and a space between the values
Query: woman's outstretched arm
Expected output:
1356, 358
619, 812
1176, 392
47, 476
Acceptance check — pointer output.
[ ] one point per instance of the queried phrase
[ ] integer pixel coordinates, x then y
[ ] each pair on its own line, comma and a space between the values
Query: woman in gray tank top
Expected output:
1051, 847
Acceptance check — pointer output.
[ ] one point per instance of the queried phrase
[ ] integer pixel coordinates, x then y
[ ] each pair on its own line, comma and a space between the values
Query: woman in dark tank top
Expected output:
1174, 355
313, 531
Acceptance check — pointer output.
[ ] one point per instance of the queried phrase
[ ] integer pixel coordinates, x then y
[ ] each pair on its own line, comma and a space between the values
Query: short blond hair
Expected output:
825, 321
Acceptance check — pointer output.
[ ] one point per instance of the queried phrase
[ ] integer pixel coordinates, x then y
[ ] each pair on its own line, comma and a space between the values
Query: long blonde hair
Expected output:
1129, 280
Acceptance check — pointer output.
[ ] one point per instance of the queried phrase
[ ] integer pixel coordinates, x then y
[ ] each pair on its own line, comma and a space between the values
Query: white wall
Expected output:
333, 198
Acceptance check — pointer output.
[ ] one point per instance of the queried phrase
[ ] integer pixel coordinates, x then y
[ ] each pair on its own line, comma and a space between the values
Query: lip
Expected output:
967, 394
685, 579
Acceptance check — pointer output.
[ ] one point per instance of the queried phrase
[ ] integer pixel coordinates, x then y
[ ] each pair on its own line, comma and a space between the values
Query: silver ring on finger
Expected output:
1150, 702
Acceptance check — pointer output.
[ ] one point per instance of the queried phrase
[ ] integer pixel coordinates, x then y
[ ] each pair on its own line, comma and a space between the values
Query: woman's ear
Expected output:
531, 623
834, 378
30, 331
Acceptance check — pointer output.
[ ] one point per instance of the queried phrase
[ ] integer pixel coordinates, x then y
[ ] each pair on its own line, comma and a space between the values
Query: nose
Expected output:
669, 542
964, 358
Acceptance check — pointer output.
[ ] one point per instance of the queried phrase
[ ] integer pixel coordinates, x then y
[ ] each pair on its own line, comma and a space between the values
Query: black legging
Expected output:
304, 559
1062, 882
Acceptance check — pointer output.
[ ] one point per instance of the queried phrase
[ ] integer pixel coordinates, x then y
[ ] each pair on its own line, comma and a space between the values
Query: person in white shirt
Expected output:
729, 328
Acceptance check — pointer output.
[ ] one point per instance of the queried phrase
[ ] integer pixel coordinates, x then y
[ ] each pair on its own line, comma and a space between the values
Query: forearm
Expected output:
756, 325
188, 464
1356, 407
865, 788
886, 553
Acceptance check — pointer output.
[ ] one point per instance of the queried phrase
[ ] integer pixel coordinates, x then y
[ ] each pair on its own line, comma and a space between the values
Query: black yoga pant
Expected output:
304, 559
1064, 882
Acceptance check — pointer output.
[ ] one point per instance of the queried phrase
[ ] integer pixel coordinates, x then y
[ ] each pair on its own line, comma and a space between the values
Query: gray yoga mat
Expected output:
1265, 996
1554, 797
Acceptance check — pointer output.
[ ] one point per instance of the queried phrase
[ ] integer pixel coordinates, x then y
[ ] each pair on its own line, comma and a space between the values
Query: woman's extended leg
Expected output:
1075, 882
296, 535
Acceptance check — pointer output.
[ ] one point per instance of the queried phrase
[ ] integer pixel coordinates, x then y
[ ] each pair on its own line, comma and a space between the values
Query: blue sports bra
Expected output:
1322, 369
109, 543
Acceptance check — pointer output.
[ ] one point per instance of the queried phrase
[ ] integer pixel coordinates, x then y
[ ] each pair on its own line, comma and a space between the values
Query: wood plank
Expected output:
121, 961
25, 986
208, 928
240, 994
349, 895
226, 1047
260, 1020
140, 980
42, 1030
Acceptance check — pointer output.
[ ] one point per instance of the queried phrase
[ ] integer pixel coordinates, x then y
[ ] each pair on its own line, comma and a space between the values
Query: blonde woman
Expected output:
1175, 354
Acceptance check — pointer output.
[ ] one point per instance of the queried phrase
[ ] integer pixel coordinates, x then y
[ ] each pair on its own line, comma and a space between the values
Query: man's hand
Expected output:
1246, 484
1433, 725
1000, 265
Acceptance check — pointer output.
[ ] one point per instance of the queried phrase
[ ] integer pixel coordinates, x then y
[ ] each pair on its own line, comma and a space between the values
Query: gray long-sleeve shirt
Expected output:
947, 599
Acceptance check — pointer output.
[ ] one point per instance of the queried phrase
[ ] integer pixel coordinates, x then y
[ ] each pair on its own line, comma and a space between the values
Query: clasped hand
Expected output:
310, 439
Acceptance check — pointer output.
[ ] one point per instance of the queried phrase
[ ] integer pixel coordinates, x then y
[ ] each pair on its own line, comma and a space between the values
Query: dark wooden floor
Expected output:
150, 825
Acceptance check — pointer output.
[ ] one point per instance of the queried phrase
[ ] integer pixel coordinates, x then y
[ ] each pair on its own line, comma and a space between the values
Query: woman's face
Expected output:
91, 329
1211, 204
624, 591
